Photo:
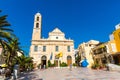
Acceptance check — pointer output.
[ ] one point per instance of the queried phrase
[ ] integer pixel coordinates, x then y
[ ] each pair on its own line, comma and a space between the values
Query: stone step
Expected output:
114, 67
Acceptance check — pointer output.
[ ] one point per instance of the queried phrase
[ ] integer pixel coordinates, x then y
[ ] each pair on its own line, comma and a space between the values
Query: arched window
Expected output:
37, 25
69, 57
44, 57
37, 18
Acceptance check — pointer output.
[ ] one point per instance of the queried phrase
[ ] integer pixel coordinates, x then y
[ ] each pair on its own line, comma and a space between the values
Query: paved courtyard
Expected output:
66, 74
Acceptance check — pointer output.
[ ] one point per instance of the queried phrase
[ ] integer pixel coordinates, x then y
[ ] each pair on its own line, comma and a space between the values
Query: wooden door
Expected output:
69, 60
56, 63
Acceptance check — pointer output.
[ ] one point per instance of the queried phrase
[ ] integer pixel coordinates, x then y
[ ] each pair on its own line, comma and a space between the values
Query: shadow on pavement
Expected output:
29, 76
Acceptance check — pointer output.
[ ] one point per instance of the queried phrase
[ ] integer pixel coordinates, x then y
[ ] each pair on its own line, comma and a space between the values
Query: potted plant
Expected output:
95, 66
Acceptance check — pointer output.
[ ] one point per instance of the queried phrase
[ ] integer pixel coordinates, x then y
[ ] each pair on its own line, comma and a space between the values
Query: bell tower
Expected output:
37, 27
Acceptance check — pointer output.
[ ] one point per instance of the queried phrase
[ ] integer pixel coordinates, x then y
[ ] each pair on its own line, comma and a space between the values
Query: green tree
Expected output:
25, 62
49, 63
77, 59
10, 51
8, 41
63, 64
5, 31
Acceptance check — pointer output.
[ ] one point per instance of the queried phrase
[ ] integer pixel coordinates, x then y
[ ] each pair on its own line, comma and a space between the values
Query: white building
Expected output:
84, 51
44, 49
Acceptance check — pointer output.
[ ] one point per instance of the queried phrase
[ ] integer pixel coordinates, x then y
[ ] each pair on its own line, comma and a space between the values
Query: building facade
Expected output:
102, 54
115, 37
42, 49
84, 51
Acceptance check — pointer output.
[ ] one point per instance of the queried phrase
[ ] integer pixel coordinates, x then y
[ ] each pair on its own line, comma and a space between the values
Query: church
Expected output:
55, 48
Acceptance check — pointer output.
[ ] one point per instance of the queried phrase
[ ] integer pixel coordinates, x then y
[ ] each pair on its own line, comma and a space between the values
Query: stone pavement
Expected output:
66, 74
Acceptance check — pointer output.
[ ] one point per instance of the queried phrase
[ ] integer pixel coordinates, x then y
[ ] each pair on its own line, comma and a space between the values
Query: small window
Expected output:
68, 48
44, 48
56, 48
37, 25
37, 18
56, 37
36, 48
90, 45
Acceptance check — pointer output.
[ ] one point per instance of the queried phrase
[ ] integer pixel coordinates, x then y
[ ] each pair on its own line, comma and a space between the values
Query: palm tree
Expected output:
5, 31
25, 62
11, 50
8, 41
10, 53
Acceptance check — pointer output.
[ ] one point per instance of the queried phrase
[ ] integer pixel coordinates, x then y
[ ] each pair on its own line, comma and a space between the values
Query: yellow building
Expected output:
115, 37
54, 48
111, 47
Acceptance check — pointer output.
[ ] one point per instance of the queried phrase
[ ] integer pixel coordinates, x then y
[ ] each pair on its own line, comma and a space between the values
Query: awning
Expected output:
115, 54
3, 65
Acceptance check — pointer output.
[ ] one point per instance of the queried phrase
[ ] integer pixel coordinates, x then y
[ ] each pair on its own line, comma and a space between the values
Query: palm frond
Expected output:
6, 29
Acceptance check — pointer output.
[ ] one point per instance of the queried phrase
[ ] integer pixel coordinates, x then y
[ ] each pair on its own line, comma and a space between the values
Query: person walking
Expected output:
0, 70
7, 73
44, 66
107, 67
70, 67
16, 68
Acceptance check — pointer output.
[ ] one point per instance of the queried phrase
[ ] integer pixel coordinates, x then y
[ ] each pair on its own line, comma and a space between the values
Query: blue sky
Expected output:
80, 20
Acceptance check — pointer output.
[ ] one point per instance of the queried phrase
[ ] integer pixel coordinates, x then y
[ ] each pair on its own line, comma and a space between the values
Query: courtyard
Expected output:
66, 74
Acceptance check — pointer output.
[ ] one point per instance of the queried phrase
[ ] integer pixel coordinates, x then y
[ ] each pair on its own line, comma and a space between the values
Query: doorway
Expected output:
43, 61
69, 60
56, 63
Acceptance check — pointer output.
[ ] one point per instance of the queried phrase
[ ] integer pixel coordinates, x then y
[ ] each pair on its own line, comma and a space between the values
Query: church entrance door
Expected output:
43, 61
69, 60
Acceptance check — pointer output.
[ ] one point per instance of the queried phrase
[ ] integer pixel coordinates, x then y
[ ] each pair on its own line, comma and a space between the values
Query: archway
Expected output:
69, 60
43, 61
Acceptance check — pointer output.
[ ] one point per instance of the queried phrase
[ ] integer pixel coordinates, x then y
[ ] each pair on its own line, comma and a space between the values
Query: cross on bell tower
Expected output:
37, 27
